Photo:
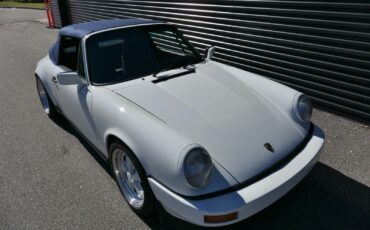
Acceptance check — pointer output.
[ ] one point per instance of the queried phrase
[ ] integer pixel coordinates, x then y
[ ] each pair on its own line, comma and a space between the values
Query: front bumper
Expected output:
248, 200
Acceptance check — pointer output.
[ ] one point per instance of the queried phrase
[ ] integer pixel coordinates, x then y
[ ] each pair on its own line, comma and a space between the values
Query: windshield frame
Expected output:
153, 25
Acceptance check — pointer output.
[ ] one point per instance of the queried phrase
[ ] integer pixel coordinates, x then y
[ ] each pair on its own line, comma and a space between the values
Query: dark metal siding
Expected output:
56, 12
321, 48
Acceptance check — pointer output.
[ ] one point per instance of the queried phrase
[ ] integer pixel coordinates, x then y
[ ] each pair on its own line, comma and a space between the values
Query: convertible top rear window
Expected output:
125, 54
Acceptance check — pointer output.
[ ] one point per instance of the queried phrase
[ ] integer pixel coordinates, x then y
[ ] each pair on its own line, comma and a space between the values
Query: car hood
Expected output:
211, 107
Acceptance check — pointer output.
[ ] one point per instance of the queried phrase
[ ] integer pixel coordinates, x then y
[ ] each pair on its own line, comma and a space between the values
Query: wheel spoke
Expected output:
138, 189
136, 177
129, 164
132, 186
123, 165
140, 193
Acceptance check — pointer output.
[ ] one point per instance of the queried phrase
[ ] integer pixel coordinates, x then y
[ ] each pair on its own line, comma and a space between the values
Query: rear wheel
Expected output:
131, 179
46, 102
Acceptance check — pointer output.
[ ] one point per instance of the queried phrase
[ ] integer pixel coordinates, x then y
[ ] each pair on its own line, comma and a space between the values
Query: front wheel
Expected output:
46, 102
131, 179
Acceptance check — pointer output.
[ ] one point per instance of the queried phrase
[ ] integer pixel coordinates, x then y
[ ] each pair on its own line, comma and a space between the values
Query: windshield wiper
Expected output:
168, 77
184, 64
166, 68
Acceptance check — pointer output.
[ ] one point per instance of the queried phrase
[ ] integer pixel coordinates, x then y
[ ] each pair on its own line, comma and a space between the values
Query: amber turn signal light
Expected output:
221, 218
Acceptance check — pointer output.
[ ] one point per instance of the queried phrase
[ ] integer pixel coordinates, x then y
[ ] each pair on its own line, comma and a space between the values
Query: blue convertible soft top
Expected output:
82, 29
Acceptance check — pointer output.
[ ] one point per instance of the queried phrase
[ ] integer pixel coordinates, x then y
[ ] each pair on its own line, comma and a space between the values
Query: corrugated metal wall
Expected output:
56, 12
321, 48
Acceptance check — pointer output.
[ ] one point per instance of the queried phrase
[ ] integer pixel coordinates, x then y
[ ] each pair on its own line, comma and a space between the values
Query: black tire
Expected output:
50, 108
148, 205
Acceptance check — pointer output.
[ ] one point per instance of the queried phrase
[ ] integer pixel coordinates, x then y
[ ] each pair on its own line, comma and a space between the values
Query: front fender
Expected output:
155, 144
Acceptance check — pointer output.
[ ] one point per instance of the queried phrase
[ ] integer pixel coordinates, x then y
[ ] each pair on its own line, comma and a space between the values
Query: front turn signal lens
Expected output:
221, 218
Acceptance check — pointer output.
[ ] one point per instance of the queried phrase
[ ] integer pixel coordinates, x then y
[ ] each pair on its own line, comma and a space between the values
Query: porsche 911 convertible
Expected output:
213, 144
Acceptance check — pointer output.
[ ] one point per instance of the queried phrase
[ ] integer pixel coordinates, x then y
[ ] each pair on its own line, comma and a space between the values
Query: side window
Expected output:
80, 66
69, 52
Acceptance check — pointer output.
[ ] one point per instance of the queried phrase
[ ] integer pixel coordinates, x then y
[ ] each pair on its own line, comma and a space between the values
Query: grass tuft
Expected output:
21, 4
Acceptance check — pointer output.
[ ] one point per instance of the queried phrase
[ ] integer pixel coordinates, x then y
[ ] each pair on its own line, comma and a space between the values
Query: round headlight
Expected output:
198, 167
304, 108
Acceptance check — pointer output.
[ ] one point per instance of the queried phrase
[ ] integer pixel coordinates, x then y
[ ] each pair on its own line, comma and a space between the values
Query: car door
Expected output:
75, 99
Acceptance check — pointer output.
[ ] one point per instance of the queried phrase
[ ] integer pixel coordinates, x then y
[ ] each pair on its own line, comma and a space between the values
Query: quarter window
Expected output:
69, 52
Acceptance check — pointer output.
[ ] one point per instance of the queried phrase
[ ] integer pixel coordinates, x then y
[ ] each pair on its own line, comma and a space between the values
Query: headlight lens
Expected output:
198, 167
304, 108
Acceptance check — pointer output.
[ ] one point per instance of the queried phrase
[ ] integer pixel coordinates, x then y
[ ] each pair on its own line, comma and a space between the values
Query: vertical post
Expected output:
49, 14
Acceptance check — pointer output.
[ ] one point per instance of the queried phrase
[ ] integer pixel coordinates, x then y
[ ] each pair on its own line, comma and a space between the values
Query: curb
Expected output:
23, 8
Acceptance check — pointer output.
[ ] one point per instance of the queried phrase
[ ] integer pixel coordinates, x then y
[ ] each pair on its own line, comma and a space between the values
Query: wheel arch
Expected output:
46, 86
43, 71
111, 138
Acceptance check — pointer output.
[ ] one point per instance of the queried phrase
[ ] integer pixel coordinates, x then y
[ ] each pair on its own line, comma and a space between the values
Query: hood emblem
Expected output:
269, 147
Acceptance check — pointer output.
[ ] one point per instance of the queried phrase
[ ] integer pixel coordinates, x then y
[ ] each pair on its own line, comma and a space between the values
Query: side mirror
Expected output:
69, 78
209, 52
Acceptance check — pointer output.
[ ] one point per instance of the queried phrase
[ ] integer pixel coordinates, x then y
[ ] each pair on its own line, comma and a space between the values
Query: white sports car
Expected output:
211, 143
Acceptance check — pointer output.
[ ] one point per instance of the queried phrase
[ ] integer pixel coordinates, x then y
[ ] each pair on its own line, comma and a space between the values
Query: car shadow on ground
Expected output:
325, 199
64, 124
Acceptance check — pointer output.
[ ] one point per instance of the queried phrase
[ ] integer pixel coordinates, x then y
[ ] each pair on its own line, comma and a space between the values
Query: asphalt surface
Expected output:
51, 179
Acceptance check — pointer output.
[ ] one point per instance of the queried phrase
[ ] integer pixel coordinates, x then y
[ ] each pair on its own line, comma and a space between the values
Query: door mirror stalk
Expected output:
209, 52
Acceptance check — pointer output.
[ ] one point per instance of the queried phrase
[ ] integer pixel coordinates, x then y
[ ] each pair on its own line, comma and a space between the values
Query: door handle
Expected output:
54, 79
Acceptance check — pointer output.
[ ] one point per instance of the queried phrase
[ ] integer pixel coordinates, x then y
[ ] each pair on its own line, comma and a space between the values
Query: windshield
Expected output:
130, 53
